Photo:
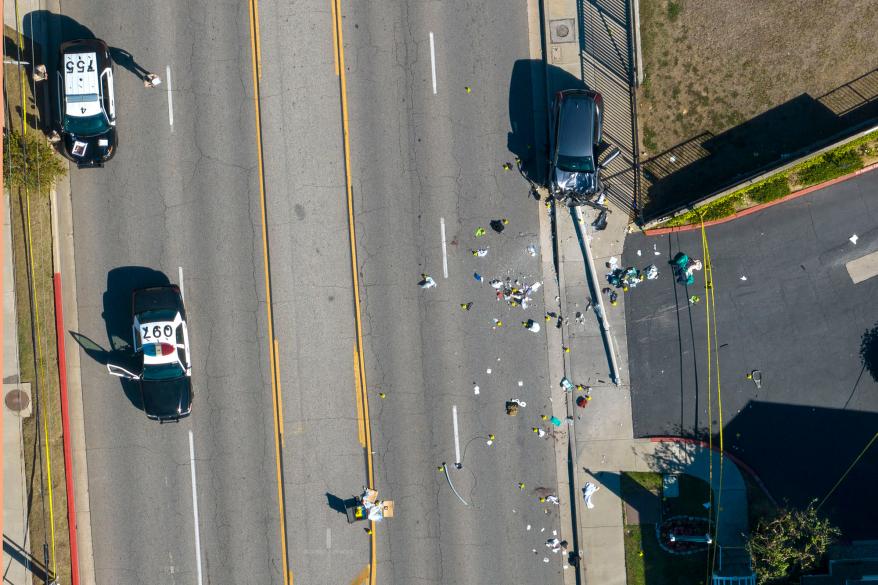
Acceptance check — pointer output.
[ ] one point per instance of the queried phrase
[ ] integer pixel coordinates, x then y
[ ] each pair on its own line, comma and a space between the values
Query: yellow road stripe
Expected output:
358, 394
362, 576
339, 48
334, 40
280, 395
272, 343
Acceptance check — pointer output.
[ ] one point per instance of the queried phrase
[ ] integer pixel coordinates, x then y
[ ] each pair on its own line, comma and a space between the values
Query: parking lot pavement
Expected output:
787, 306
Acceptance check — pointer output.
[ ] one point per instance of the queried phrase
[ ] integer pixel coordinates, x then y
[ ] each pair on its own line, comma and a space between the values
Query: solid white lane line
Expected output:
180, 281
444, 250
195, 506
170, 98
457, 462
433, 61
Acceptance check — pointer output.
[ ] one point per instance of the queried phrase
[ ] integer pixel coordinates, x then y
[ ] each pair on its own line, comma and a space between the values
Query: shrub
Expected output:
770, 189
793, 542
674, 10
29, 161
829, 166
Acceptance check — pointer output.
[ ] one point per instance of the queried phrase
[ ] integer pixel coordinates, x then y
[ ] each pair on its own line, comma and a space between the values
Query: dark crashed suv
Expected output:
577, 128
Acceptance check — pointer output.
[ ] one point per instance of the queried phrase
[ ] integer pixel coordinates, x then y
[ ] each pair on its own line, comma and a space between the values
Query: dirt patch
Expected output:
750, 82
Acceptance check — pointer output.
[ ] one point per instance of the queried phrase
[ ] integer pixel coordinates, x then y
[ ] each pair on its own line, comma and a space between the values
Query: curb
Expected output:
65, 426
704, 444
761, 206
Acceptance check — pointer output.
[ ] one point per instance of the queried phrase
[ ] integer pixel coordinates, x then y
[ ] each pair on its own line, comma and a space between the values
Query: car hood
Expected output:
167, 399
583, 183
98, 149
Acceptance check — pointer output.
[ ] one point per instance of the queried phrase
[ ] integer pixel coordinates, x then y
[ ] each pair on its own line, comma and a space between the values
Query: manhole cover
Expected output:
562, 30
17, 400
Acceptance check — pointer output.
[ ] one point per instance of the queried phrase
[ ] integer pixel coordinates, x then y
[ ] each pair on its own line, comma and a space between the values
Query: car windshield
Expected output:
86, 125
575, 164
162, 371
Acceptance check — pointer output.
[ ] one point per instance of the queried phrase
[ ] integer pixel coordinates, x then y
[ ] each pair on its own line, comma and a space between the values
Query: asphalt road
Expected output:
798, 318
178, 196
185, 194
421, 158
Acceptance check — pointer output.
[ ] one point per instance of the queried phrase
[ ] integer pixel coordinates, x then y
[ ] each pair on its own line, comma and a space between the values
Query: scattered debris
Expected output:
478, 277
600, 223
683, 268
613, 263
479, 232
476, 389
532, 249
466, 306
854, 239
655, 250
480, 252
588, 491
639, 253
743, 277
694, 299
651, 272
531, 325
628, 278
427, 281
467, 89
498, 225
488, 370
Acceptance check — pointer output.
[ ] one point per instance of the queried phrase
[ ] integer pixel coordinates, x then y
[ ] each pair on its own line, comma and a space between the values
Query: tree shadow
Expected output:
706, 163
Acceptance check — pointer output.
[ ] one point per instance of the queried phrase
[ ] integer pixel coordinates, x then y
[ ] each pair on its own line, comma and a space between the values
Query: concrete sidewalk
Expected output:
17, 560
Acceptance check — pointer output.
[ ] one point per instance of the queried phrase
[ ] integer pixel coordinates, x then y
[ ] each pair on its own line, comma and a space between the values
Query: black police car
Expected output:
86, 103
161, 345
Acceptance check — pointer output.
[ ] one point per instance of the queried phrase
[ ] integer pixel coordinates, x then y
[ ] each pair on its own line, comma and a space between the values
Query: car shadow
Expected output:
529, 114
46, 31
117, 319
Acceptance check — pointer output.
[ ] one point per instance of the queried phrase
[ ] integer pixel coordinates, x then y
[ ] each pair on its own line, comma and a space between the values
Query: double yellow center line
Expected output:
362, 397
359, 363
276, 399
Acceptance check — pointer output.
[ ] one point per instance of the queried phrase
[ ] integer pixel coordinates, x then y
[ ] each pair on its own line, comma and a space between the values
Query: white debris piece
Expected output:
613, 263
498, 284
488, 370
651, 272
854, 239
639, 253
655, 251
532, 249
520, 383
743, 278
476, 389
528, 527
587, 492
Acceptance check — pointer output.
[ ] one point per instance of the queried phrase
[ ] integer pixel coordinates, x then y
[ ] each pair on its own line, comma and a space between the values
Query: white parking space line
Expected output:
195, 506
433, 61
180, 281
457, 462
444, 249
170, 98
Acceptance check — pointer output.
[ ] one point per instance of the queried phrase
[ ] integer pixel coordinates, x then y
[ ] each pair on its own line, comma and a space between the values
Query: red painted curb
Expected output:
65, 425
761, 206
726, 454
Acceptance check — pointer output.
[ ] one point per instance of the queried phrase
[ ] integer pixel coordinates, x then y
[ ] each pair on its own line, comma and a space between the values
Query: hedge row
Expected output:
827, 166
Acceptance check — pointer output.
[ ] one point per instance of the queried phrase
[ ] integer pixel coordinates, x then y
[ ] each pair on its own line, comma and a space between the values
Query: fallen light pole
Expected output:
599, 305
